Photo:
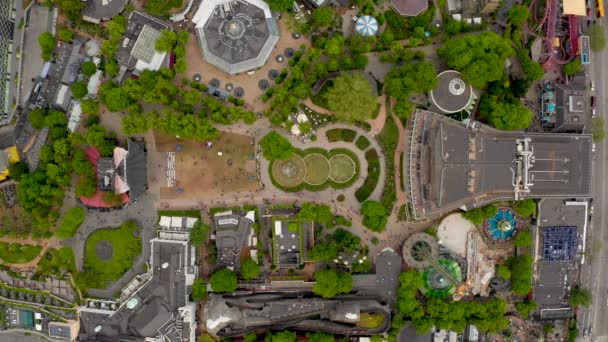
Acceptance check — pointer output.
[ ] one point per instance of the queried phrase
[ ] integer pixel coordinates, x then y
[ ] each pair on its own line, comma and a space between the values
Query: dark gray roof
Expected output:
7, 137
237, 35
135, 25
231, 232
60, 331
571, 106
104, 9
136, 167
105, 174
453, 165
452, 94
71, 69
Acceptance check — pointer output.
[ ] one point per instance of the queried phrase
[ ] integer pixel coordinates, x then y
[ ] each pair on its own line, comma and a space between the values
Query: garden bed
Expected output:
341, 134
373, 175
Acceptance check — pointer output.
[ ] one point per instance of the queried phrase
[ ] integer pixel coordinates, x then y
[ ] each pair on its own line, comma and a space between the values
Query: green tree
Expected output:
90, 106
199, 289
597, 37
199, 233
503, 272
597, 129
109, 47
518, 14
223, 280
88, 68
523, 239
250, 269
322, 16
532, 69
480, 57
374, 215
505, 115
525, 207
521, 274
162, 7
36, 118
334, 47
318, 336
275, 146
580, 296
112, 68
280, 5
15, 171
166, 42
81, 165
323, 252
572, 67
65, 34
117, 100
524, 308
411, 78
117, 27
347, 240
87, 187
250, 337
71, 8
281, 336
96, 135
478, 215
341, 101
47, 44
79, 89
330, 283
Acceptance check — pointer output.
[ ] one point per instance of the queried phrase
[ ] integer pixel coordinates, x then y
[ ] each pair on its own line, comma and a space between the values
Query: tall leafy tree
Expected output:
330, 283
89, 68
47, 44
374, 215
166, 42
79, 89
572, 67
518, 14
323, 16
580, 296
350, 98
250, 269
199, 289
223, 280
275, 146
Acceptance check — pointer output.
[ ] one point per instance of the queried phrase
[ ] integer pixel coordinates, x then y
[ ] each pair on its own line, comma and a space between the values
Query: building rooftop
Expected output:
452, 94
452, 165
105, 174
136, 167
410, 8
137, 50
158, 306
98, 10
8, 56
233, 232
385, 281
236, 35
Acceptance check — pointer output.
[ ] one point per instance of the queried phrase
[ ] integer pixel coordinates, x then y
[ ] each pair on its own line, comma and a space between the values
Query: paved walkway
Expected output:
46, 244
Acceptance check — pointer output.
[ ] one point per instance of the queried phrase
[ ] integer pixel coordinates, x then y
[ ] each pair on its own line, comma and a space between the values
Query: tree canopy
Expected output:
524, 307
572, 67
478, 215
523, 239
409, 78
280, 5
505, 115
199, 233
71, 8
88, 68
347, 240
319, 213
223, 280
503, 272
323, 16
281, 336
275, 146
580, 296
330, 283
480, 57
47, 44
323, 251
167, 40
532, 69
16, 170
89, 106
250, 269
374, 215
161, 7
79, 89
518, 14
525, 207
199, 289
351, 98
318, 336
521, 272
65, 34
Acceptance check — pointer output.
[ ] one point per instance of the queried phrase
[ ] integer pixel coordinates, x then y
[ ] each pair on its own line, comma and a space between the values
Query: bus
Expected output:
599, 6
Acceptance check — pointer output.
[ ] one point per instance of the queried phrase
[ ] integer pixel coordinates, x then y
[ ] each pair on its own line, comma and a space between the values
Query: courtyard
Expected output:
205, 170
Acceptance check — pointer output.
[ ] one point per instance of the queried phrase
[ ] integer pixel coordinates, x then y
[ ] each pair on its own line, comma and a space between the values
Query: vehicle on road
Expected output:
592, 86
593, 113
593, 102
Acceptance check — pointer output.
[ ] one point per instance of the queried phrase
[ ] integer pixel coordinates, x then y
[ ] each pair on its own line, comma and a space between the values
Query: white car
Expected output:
593, 113
592, 86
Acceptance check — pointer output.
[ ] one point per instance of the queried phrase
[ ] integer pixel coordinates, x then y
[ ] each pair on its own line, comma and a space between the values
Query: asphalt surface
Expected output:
594, 273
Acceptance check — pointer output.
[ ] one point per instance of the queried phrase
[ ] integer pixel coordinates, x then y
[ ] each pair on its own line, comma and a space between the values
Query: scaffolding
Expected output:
559, 243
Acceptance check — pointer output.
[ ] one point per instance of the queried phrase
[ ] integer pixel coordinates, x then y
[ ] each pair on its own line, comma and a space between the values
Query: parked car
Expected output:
592, 86
593, 113
592, 101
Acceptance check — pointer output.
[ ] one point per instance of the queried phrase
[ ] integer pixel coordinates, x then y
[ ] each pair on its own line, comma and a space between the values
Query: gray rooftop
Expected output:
452, 94
231, 234
452, 166
136, 168
158, 300
385, 281
571, 106
145, 46
127, 54
236, 35
103, 9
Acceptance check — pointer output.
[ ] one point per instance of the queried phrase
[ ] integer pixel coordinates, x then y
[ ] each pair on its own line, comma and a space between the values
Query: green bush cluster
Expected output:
373, 176
341, 134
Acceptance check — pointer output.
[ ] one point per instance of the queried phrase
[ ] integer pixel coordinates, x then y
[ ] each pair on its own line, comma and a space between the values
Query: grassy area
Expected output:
373, 175
370, 321
124, 244
388, 139
293, 227
72, 220
362, 143
56, 261
15, 253
341, 134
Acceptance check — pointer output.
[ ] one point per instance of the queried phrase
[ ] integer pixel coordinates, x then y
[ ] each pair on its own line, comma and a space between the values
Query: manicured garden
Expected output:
315, 169
362, 143
341, 134
109, 252
373, 175
15, 253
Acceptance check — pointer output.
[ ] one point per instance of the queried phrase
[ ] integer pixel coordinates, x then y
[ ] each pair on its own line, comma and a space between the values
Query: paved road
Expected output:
594, 274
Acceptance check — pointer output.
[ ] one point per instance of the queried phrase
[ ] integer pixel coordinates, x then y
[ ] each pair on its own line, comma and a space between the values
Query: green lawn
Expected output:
124, 244
317, 169
72, 220
370, 320
293, 227
362, 143
15, 253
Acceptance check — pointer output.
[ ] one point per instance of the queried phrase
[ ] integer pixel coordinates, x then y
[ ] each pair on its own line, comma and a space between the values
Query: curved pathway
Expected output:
46, 245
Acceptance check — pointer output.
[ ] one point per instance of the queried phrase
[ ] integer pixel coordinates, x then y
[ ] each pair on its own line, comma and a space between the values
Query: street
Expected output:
594, 274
